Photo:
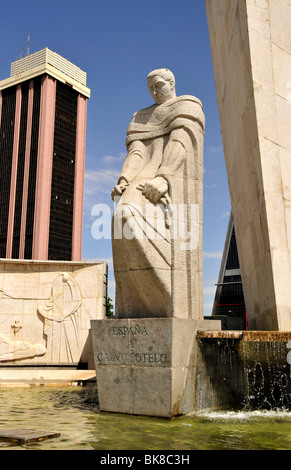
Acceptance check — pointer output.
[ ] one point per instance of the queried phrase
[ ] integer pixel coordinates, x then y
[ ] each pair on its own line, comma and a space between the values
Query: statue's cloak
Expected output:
162, 276
160, 120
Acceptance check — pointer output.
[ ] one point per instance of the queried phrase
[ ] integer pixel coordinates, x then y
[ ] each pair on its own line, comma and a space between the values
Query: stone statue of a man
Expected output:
157, 222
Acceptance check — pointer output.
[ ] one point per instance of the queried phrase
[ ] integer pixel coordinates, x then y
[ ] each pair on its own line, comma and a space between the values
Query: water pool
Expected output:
73, 412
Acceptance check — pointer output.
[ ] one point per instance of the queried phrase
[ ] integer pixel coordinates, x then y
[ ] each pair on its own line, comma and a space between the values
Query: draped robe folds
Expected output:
158, 269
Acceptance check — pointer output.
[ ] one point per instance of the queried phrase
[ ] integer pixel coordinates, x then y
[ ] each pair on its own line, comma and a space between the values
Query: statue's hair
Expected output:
165, 73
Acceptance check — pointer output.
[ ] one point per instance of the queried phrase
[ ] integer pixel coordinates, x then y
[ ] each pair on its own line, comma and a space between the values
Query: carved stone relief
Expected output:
61, 316
45, 312
15, 350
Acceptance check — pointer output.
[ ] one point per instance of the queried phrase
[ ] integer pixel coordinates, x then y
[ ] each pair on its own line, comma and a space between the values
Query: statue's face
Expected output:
161, 89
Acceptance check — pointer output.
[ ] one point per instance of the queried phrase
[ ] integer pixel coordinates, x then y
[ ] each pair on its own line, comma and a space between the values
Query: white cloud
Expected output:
208, 306
215, 148
212, 254
99, 183
100, 180
111, 290
109, 159
98, 186
209, 290
225, 214
109, 261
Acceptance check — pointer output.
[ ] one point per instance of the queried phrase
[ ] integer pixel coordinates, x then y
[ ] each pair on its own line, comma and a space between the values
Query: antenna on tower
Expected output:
28, 44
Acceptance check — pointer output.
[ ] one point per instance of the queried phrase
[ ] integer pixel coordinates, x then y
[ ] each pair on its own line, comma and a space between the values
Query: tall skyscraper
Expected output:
43, 107
229, 299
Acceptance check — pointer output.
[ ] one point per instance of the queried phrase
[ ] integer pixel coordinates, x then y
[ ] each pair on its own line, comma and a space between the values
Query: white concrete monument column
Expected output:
251, 50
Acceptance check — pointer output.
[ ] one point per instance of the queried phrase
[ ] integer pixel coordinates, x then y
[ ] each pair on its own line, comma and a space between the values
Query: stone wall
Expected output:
46, 309
251, 50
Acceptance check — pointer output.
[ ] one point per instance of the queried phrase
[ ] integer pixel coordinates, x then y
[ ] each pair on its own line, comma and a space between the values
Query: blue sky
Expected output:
118, 42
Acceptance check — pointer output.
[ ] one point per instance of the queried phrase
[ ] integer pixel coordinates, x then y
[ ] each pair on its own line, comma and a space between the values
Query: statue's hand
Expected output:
118, 190
154, 189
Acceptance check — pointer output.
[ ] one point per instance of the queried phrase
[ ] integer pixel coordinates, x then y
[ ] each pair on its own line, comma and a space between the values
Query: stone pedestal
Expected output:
146, 366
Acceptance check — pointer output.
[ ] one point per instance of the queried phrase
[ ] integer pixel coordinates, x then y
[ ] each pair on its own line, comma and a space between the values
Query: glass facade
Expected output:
229, 299
63, 174
6, 150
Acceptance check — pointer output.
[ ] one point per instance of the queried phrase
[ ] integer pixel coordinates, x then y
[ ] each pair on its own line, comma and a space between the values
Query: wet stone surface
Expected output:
26, 435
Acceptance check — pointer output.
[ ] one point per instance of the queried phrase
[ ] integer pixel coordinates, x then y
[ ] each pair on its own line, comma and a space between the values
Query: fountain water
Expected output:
243, 369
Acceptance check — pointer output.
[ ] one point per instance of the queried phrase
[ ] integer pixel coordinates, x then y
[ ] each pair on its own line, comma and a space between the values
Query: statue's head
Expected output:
161, 83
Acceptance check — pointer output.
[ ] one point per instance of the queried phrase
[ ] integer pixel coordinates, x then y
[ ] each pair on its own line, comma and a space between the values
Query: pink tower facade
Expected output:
43, 107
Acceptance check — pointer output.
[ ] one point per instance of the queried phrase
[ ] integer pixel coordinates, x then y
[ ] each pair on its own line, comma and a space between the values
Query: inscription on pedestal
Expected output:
124, 346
